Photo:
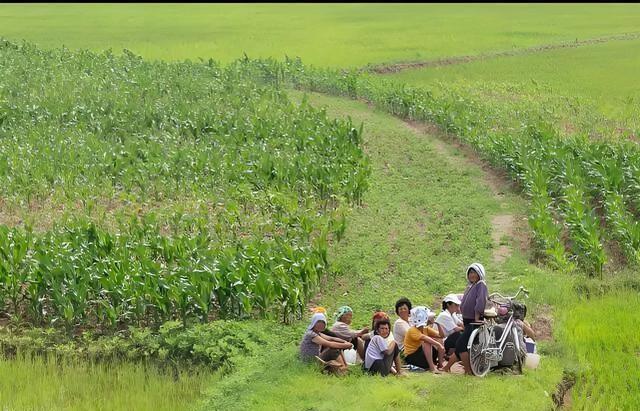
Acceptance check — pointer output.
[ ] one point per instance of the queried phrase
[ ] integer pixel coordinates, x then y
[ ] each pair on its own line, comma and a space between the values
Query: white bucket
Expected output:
532, 361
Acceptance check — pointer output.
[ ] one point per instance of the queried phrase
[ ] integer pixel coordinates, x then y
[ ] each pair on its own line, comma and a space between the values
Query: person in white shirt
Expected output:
378, 316
401, 325
380, 354
450, 327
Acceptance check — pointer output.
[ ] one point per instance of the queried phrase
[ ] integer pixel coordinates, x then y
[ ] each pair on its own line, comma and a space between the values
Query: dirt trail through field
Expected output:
505, 227
397, 67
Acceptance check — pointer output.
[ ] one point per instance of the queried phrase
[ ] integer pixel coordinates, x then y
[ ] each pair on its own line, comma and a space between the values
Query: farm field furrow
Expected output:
341, 35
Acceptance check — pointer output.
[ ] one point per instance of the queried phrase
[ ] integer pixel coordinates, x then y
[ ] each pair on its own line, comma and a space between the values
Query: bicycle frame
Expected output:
495, 348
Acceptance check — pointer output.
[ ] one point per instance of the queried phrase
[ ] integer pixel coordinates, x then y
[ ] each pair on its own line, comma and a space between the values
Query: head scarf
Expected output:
342, 311
316, 317
319, 310
379, 315
418, 316
478, 268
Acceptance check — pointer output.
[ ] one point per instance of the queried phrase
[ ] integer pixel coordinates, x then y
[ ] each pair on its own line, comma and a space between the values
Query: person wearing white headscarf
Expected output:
314, 341
472, 308
420, 345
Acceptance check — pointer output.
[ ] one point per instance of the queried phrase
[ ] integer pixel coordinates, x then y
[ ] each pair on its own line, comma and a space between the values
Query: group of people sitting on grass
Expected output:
418, 336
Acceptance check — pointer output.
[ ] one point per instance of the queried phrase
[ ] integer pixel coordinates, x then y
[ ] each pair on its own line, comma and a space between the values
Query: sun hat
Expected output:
418, 316
451, 298
314, 320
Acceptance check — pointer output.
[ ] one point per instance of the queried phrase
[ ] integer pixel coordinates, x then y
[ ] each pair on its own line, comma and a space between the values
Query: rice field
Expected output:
601, 75
340, 35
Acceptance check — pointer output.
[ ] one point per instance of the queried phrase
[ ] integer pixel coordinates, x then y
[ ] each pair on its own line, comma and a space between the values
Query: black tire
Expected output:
480, 364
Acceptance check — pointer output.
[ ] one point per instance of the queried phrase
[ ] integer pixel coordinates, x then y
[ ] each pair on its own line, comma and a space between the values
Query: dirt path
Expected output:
506, 230
397, 67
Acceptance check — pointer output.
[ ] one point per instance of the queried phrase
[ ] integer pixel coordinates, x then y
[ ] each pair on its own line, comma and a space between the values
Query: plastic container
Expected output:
532, 361
530, 345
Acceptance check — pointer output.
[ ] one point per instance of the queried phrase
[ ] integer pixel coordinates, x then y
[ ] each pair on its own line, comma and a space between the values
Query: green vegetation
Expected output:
609, 359
340, 35
257, 240
146, 207
427, 214
567, 177
38, 383
602, 75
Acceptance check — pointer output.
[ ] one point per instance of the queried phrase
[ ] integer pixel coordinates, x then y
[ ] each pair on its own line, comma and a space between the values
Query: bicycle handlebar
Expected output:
520, 290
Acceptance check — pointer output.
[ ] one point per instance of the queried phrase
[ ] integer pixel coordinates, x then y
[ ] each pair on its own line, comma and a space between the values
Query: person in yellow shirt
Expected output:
421, 347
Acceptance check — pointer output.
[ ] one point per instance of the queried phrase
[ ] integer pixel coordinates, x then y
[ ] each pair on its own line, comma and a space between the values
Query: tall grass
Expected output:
601, 335
46, 383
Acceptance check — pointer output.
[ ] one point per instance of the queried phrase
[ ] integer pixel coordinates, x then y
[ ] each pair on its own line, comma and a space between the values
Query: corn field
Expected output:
273, 181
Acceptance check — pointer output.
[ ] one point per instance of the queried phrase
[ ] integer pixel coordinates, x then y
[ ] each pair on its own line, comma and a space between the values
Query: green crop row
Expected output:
272, 180
583, 191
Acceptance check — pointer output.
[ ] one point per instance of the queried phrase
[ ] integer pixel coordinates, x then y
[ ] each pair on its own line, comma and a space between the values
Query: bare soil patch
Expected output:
562, 396
497, 180
542, 324
503, 225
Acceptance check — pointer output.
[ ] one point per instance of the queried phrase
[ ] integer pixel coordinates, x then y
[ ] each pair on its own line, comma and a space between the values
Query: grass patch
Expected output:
601, 335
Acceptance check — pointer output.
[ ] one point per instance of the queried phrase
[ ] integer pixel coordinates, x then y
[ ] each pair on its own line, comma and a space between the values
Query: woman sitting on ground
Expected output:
401, 325
450, 328
420, 347
472, 308
342, 329
382, 351
314, 341
377, 316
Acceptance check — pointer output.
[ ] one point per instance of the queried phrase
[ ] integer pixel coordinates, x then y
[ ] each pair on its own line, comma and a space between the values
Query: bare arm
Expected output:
331, 344
431, 341
390, 348
441, 330
331, 338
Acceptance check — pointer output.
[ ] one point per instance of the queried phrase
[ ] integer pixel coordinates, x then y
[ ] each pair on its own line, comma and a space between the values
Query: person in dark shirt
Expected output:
472, 308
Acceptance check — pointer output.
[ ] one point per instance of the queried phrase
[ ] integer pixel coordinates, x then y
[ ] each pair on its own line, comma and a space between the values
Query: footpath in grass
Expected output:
427, 215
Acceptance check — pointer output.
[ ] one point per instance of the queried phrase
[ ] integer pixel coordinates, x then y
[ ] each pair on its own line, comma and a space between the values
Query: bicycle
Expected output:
486, 349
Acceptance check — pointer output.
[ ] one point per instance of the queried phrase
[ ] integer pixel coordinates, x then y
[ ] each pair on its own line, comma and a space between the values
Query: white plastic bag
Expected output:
351, 356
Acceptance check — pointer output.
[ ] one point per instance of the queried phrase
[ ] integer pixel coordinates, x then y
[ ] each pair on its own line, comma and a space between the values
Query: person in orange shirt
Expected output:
421, 347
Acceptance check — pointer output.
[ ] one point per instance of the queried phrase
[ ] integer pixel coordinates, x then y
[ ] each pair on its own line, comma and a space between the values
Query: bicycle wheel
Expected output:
480, 363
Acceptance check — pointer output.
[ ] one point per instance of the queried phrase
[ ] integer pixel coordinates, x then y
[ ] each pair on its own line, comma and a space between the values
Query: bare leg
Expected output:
464, 356
398, 365
441, 357
428, 354
528, 330
360, 348
453, 358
